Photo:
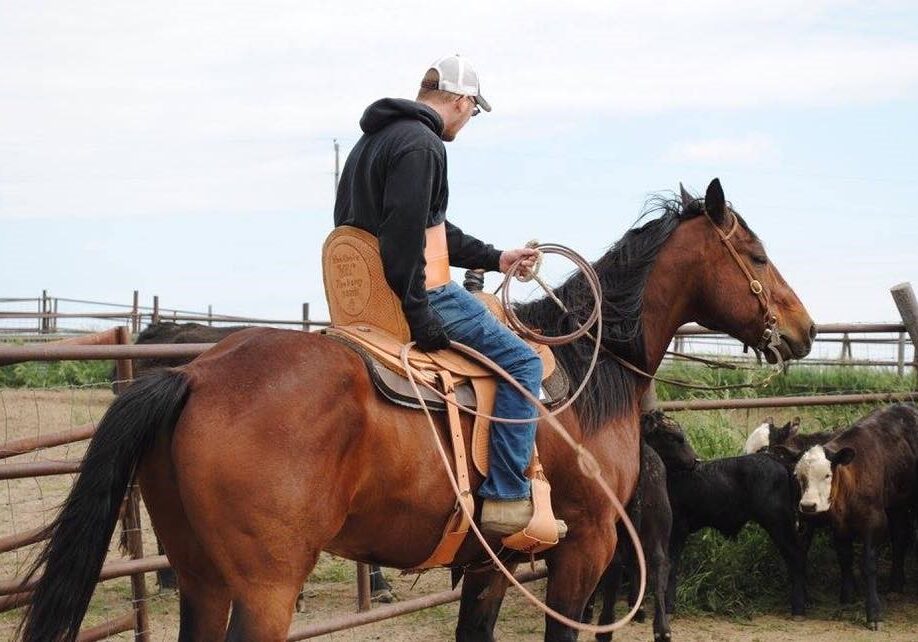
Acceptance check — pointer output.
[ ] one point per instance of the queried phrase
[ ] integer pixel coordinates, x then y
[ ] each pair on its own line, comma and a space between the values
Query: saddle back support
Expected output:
355, 285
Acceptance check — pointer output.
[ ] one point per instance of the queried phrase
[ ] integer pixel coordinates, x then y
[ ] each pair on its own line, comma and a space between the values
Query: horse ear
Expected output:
687, 199
715, 204
769, 420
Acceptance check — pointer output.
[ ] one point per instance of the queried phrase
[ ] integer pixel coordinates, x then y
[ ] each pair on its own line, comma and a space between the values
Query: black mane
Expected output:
623, 274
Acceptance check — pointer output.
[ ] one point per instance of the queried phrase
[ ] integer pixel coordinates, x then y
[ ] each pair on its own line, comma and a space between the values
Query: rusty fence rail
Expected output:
42, 315
13, 593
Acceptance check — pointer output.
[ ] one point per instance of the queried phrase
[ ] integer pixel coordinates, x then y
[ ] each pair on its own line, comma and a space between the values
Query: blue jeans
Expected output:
468, 321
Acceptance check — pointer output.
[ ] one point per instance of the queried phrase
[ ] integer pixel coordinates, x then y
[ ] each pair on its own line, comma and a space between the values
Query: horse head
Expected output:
735, 287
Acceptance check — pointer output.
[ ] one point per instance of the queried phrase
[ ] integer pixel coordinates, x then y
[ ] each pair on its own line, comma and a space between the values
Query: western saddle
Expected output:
366, 315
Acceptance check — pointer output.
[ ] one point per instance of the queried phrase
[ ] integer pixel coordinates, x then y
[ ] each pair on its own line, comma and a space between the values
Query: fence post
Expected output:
900, 357
904, 296
41, 303
130, 519
363, 587
306, 327
155, 319
846, 347
649, 400
54, 318
135, 308
210, 314
45, 327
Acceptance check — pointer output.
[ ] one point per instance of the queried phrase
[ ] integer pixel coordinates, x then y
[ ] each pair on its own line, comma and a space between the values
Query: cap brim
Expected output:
481, 102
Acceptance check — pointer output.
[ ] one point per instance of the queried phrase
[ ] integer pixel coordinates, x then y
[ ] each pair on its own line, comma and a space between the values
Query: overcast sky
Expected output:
185, 148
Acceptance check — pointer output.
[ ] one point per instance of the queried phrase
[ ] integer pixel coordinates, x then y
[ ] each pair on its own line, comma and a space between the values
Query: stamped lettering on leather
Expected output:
351, 278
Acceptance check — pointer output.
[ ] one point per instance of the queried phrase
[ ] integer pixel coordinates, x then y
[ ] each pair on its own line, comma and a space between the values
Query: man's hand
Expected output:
509, 257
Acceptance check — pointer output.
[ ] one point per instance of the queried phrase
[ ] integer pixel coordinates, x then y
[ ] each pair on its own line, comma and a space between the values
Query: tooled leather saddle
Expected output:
366, 316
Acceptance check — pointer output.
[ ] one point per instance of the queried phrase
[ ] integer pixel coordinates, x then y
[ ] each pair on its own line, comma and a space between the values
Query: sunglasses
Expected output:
475, 108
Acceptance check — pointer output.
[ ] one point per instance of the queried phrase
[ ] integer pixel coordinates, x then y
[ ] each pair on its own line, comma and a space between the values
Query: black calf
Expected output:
726, 494
651, 515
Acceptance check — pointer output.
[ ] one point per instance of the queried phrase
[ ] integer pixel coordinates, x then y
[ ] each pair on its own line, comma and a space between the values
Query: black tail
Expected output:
81, 533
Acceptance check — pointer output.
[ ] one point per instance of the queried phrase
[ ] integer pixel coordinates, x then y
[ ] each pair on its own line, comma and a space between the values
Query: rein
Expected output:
588, 465
771, 337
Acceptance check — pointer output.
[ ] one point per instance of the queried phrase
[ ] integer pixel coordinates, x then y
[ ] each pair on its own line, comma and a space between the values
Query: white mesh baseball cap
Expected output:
457, 76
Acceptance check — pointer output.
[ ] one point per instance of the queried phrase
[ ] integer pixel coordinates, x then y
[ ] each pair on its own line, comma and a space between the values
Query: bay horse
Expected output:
274, 446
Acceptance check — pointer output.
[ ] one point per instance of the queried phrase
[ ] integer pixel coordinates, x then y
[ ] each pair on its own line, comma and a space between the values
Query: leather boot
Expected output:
500, 517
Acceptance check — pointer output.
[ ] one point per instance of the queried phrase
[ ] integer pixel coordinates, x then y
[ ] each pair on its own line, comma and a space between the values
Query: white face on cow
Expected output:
815, 471
814, 474
757, 440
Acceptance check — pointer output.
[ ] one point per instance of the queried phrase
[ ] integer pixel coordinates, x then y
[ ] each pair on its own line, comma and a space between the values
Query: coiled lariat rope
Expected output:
588, 465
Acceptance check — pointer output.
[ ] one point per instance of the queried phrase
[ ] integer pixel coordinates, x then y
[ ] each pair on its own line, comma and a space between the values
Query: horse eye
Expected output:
759, 259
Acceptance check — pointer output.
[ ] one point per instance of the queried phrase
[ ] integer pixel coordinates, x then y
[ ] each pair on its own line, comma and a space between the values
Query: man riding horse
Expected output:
394, 185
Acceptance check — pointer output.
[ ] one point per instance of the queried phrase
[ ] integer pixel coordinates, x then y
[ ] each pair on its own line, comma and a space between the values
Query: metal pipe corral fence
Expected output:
114, 344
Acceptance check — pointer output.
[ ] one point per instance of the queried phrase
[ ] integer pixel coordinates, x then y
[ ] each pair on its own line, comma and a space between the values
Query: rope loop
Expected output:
592, 279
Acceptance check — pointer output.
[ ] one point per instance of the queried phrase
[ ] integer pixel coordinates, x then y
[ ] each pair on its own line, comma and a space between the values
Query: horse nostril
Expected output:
812, 331
807, 508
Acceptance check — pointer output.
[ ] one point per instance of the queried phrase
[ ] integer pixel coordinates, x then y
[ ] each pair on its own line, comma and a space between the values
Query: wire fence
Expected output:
44, 434
49, 318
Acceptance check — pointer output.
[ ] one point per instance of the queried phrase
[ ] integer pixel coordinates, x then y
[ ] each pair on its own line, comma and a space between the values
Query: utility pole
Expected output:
337, 174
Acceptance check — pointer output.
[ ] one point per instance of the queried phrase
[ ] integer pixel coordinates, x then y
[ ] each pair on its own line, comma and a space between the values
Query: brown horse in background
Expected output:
274, 446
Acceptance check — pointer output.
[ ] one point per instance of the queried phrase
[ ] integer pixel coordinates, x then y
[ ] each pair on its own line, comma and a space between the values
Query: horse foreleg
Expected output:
611, 581
482, 595
574, 569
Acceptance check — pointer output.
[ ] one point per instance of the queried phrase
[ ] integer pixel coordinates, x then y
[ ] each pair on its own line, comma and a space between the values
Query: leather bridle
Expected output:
771, 336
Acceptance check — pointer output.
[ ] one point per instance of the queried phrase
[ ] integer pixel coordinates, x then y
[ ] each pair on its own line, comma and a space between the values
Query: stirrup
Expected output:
543, 530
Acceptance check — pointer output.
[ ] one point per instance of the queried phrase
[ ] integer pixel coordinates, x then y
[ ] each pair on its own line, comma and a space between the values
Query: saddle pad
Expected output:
397, 388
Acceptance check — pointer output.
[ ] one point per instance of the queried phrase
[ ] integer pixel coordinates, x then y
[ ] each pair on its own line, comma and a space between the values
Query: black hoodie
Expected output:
394, 186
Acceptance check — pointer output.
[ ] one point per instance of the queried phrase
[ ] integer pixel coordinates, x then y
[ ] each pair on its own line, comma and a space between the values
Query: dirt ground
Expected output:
331, 591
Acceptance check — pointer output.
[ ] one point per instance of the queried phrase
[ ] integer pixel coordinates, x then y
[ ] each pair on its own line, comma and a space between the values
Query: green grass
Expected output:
799, 380
745, 577
54, 374
333, 569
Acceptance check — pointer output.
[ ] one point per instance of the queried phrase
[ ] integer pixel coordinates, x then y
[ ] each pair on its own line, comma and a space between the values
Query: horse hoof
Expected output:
873, 626
300, 603
383, 596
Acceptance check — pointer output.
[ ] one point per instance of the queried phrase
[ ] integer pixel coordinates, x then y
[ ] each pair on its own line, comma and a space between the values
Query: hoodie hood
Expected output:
388, 110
